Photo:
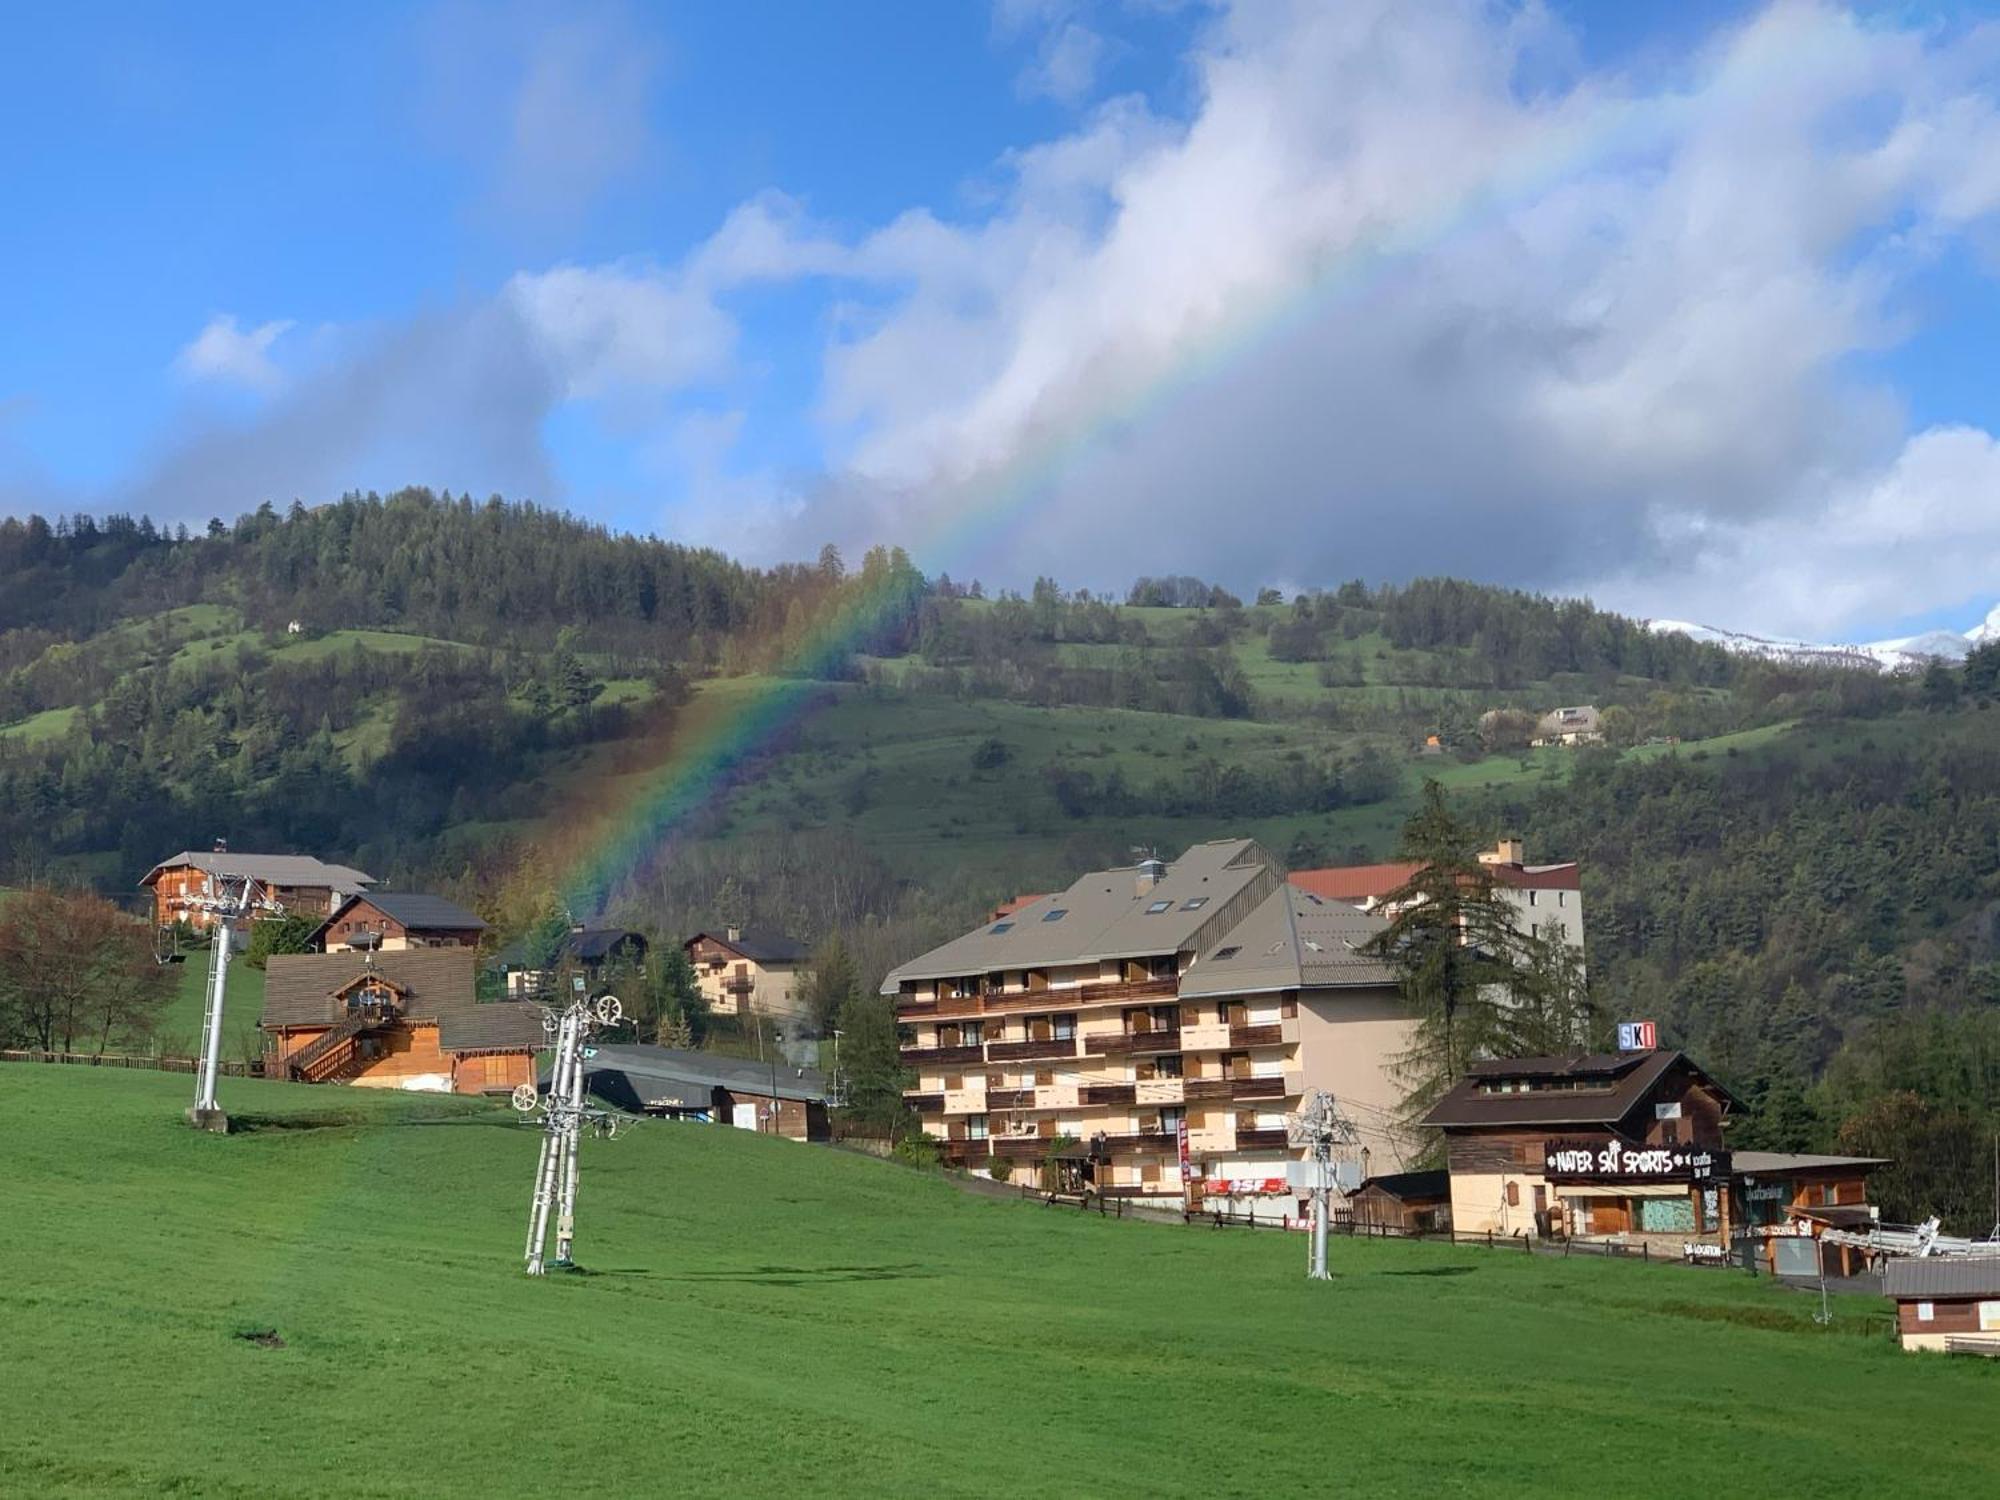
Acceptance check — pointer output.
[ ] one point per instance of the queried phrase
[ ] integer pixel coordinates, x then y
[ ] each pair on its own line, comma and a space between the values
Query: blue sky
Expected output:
1688, 307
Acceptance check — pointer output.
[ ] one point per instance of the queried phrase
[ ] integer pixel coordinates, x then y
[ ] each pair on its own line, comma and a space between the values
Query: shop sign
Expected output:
1704, 1255
1615, 1161
1637, 1036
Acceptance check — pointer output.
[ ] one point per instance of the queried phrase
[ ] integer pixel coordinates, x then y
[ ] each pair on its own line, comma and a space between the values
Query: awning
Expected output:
1622, 1190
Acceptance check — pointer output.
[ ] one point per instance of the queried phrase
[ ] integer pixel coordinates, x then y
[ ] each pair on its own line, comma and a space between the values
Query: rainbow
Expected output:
1570, 140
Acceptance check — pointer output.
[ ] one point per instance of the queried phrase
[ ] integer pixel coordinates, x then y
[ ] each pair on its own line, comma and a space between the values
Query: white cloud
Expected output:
1375, 308
1068, 54
224, 352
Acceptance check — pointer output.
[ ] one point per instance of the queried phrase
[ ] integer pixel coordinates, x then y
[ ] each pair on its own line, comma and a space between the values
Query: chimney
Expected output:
735, 934
1507, 851
222, 846
1151, 873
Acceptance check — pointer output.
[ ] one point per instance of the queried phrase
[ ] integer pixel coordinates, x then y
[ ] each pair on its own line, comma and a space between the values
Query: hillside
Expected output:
769, 1317
1796, 869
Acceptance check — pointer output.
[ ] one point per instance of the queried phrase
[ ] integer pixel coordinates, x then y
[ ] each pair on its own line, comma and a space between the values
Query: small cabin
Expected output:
741, 970
1946, 1303
1409, 1202
386, 921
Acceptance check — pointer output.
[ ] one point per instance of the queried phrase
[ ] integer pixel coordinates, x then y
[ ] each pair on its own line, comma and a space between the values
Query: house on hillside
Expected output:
592, 952
403, 1018
1166, 1017
186, 886
1582, 725
390, 920
705, 1086
1548, 897
743, 970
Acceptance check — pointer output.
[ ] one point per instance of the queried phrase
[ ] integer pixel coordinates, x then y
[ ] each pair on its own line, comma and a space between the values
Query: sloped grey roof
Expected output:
1784, 1163
707, 1070
271, 869
301, 989
1104, 915
1942, 1276
1292, 940
757, 944
415, 909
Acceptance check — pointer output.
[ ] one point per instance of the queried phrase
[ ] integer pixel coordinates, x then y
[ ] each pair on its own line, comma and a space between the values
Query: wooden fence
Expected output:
227, 1069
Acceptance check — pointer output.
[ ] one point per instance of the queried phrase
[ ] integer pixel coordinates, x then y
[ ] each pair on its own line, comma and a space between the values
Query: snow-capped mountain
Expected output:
1904, 654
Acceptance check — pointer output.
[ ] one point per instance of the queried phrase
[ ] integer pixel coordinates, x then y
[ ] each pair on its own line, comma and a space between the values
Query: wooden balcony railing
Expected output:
1031, 1051
1013, 1002
925, 1104
1109, 1093
1257, 1036
1272, 1087
1258, 1140
1161, 1039
935, 1057
1207, 1088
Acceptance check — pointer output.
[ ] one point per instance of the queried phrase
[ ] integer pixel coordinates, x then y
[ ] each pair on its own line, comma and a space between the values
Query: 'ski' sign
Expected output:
1637, 1036
1616, 1161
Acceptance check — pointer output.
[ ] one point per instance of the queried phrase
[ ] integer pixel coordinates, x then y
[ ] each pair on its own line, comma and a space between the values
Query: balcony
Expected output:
924, 1104
1143, 1142
946, 1006
1271, 1034
965, 1101
1159, 1039
1115, 1094
1031, 1051
1211, 1141
1010, 1099
1260, 1139
1057, 1096
1159, 1091
1195, 1089
1209, 1036
937, 1057
1269, 1087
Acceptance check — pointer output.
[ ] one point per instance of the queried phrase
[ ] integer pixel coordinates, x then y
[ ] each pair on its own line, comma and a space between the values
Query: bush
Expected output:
918, 1149
999, 1168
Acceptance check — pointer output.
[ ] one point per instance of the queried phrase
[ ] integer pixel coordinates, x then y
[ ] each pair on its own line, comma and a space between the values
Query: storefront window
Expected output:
1666, 1215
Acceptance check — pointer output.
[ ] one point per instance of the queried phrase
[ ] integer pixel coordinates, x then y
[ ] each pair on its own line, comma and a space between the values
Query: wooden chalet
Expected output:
1624, 1145
591, 951
401, 1018
388, 920
740, 970
185, 885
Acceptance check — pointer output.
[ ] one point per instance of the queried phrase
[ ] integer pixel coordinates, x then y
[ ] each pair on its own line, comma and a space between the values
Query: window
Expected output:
1194, 903
1168, 1066
1159, 906
1230, 952
1561, 898
1926, 1311
1065, 1028
1170, 1119
1057, 915
999, 927
1513, 1195
971, 1034
1531, 897
975, 1127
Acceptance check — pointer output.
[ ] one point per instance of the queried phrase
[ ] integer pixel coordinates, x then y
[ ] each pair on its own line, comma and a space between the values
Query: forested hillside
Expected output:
1794, 869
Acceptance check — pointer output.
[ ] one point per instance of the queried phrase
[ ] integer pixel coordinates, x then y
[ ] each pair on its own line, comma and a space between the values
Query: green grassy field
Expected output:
179, 1030
767, 1318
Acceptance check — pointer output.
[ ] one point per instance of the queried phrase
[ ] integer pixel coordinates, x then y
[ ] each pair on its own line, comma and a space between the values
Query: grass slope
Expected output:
771, 1318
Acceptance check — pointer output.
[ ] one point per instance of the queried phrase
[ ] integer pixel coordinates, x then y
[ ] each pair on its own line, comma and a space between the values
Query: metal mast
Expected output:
225, 908
1318, 1128
563, 1117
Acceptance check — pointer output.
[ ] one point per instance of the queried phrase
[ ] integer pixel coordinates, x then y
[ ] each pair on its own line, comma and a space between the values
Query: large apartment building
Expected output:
1166, 1018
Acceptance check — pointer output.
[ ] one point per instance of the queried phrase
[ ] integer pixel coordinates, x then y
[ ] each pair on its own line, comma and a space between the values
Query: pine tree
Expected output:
1453, 947
835, 981
871, 1060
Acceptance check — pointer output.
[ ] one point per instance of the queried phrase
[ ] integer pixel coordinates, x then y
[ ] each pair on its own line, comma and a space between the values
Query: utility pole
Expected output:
563, 1117
1318, 1127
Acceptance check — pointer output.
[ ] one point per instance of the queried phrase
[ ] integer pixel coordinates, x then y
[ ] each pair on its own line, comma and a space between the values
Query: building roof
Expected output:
759, 945
1368, 883
1110, 914
436, 984
1942, 1276
1598, 1089
413, 910
1291, 940
266, 869
653, 1066
1791, 1164
1410, 1185
593, 943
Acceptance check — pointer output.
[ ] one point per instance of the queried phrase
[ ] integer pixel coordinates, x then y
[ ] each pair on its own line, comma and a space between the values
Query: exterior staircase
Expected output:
327, 1054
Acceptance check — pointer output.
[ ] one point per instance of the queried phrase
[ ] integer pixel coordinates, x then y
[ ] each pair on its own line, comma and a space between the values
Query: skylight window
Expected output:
1159, 906
1057, 915
1230, 952
1194, 903
999, 927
